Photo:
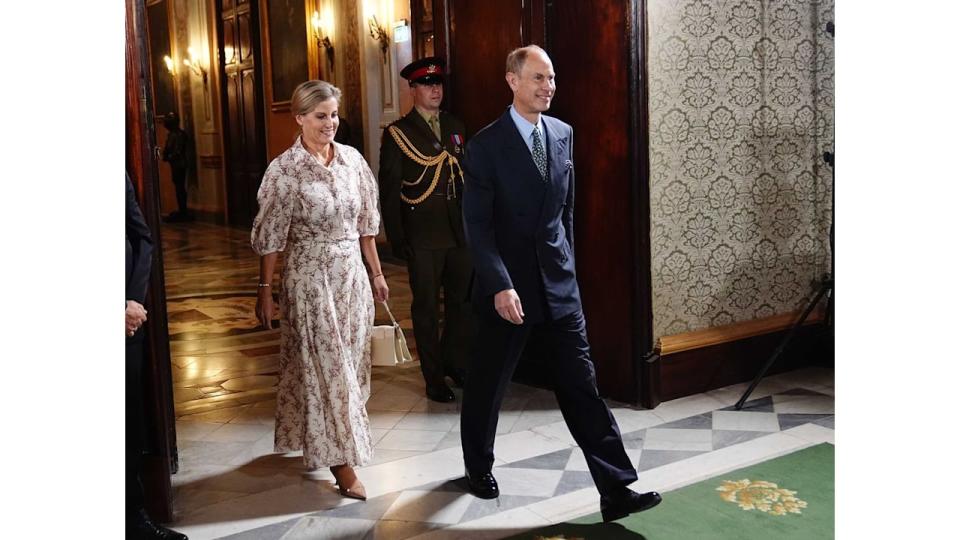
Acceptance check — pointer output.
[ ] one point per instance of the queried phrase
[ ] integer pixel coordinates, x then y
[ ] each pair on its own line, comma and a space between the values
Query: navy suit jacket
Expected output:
518, 226
139, 248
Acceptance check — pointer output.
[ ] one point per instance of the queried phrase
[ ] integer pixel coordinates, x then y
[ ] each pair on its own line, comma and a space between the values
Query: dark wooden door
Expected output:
475, 39
141, 164
242, 98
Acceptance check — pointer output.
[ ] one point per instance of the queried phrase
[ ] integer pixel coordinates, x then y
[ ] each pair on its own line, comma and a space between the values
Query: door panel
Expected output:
243, 102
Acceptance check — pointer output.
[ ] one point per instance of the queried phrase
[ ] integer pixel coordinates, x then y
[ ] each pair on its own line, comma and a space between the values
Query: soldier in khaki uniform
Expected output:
420, 188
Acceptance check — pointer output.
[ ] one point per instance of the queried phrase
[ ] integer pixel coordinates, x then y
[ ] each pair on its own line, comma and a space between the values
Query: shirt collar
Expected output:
426, 116
524, 125
302, 155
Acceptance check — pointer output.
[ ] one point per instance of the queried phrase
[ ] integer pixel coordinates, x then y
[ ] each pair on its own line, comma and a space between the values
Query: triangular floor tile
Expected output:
724, 438
372, 509
651, 459
827, 422
634, 439
555, 461
700, 421
572, 481
484, 507
788, 421
764, 404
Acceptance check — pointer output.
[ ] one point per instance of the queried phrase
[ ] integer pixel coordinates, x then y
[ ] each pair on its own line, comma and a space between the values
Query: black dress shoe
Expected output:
483, 485
141, 527
440, 393
457, 376
628, 502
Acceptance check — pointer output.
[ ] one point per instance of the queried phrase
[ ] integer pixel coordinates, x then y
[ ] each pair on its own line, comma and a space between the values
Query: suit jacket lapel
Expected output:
557, 154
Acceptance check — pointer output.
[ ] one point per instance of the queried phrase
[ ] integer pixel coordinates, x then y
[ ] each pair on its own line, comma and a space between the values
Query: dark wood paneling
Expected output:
593, 95
479, 38
700, 370
142, 166
244, 133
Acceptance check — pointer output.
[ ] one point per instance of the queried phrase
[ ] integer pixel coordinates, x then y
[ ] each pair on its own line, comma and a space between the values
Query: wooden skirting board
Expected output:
699, 339
702, 360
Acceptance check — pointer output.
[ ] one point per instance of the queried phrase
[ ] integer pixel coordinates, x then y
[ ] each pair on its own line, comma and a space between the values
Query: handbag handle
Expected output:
386, 307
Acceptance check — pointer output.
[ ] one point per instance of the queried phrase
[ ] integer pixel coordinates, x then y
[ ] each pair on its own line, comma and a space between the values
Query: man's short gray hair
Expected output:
518, 57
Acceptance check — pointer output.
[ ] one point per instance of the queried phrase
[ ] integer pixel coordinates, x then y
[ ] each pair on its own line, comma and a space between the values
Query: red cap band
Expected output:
432, 69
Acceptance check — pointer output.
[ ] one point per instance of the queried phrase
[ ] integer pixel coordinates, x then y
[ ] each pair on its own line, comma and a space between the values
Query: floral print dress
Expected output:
316, 215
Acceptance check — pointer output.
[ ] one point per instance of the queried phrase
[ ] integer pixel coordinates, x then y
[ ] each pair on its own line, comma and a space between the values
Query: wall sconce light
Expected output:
171, 65
322, 28
194, 64
379, 33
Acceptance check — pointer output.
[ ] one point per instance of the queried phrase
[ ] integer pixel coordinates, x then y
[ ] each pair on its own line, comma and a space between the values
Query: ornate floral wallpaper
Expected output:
741, 111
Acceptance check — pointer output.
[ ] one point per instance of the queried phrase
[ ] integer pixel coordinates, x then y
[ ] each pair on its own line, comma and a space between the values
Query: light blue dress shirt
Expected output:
526, 129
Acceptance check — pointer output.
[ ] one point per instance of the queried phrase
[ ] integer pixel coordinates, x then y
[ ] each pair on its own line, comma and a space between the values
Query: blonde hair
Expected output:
307, 95
518, 57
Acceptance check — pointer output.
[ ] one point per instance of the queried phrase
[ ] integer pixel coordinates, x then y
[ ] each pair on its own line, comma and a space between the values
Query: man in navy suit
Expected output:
139, 254
518, 219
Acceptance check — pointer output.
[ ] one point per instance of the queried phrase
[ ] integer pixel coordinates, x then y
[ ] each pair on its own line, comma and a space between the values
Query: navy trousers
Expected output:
498, 349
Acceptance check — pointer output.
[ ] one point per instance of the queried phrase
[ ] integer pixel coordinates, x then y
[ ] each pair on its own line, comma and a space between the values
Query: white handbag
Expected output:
389, 346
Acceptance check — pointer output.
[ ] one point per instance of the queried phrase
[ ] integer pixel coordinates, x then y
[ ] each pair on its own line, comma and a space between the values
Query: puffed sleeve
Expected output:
276, 198
368, 220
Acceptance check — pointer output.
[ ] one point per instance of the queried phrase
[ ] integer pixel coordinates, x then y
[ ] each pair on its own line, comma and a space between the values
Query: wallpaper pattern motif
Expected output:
741, 111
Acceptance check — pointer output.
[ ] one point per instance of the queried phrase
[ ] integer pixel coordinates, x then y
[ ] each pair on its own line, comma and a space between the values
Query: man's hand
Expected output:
136, 315
508, 306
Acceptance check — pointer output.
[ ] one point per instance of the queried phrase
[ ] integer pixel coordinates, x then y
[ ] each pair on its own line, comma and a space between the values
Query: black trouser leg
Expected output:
134, 434
459, 328
499, 344
179, 176
425, 272
587, 416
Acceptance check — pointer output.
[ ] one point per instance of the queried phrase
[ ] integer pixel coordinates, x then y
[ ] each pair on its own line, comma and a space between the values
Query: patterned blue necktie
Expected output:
539, 156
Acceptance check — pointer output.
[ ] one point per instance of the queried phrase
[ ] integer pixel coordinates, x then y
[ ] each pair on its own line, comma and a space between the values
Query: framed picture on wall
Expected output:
289, 66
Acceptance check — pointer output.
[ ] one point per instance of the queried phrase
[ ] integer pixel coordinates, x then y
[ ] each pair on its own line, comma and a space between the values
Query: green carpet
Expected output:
718, 508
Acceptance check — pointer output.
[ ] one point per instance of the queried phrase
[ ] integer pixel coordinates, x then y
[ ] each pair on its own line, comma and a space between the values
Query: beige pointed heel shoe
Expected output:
348, 484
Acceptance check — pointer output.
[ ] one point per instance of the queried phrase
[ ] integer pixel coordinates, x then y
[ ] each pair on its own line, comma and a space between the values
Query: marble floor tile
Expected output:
377, 434
409, 439
480, 508
384, 419
265, 416
195, 431
746, 421
392, 402
429, 506
382, 455
528, 482
239, 433
700, 421
696, 440
687, 406
312, 528
392, 530
803, 404
553, 461
723, 439
524, 444
573, 481
652, 459
426, 421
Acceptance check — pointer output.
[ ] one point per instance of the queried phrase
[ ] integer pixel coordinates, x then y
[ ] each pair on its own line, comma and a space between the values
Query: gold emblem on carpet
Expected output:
761, 495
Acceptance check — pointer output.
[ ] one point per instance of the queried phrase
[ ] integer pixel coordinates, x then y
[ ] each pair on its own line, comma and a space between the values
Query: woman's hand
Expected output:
265, 308
380, 290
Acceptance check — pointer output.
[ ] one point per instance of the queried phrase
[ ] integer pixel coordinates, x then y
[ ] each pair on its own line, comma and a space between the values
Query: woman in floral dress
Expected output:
318, 204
